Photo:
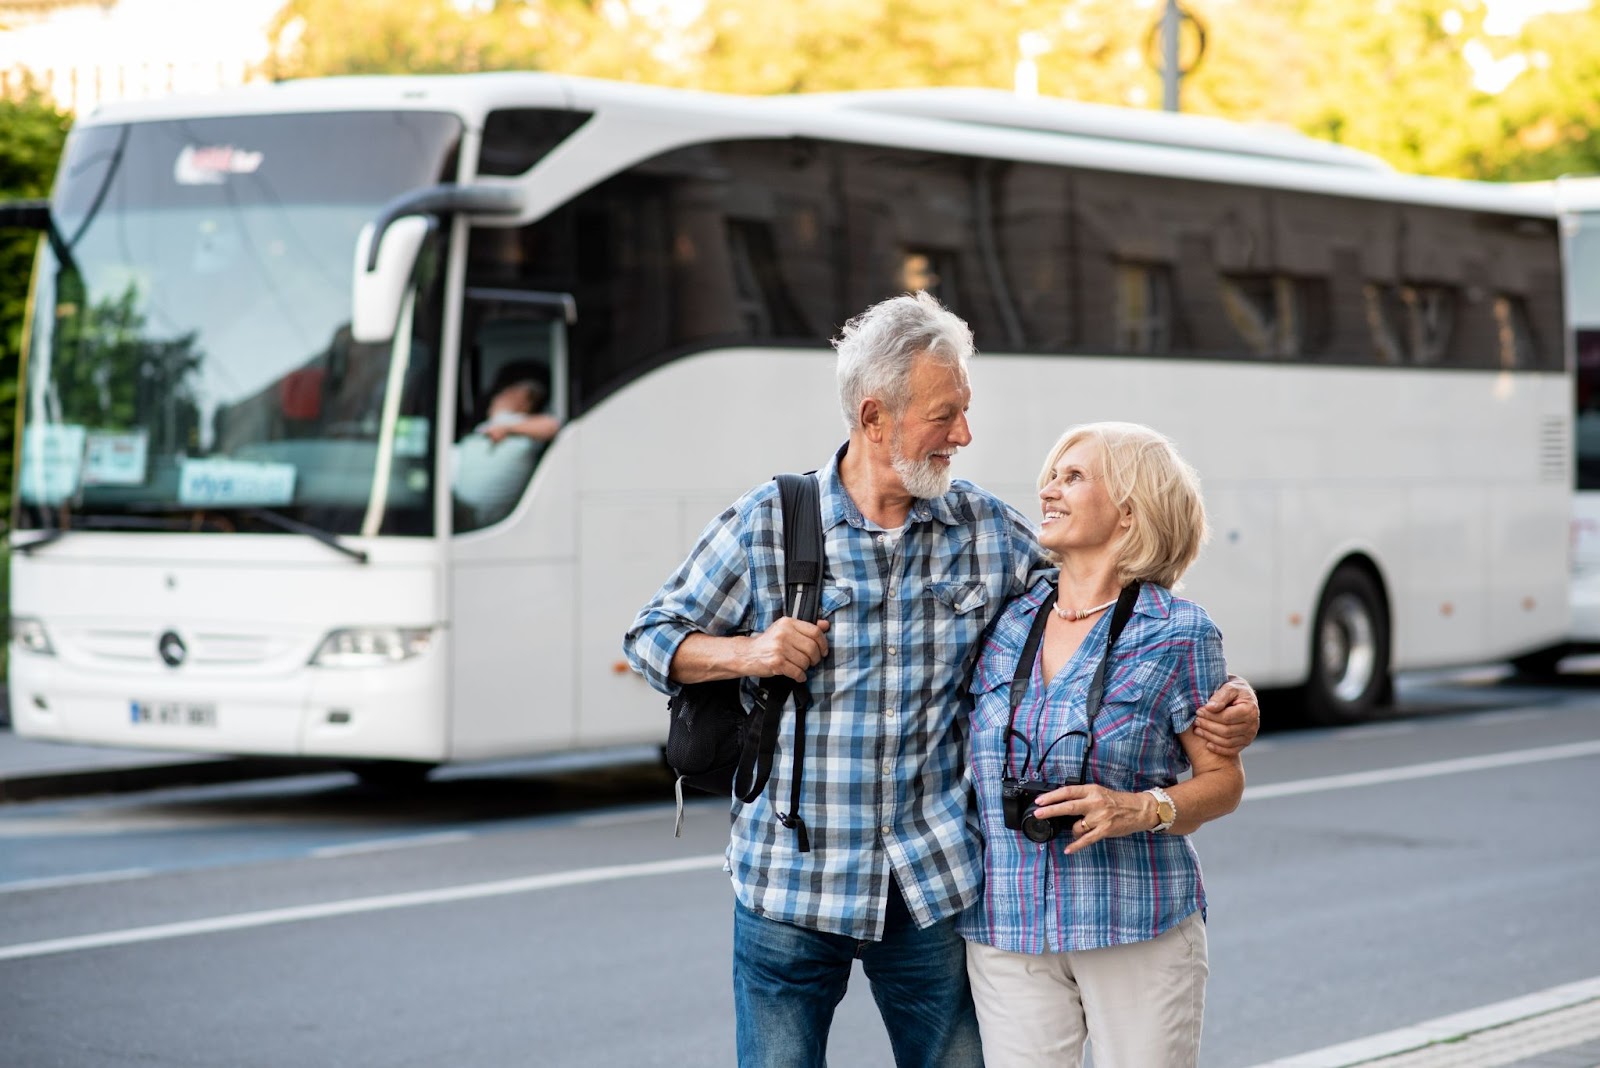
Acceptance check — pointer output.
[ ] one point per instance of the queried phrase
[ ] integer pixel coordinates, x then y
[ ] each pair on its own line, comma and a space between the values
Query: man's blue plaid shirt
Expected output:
884, 788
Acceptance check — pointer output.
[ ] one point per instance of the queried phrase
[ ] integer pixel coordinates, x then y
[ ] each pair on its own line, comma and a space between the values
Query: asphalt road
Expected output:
1373, 878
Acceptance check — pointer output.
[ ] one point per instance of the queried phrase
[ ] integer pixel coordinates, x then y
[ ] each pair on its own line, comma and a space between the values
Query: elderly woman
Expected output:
1091, 926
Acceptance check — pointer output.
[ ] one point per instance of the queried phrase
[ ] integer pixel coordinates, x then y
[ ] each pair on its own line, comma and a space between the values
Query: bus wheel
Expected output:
391, 774
1541, 666
1349, 650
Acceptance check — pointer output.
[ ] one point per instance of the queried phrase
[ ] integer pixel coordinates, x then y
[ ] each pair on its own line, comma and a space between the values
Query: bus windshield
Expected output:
190, 353
1583, 307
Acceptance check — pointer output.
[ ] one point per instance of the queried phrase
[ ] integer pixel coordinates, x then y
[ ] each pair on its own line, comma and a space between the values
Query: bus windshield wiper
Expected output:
295, 526
265, 515
48, 537
103, 522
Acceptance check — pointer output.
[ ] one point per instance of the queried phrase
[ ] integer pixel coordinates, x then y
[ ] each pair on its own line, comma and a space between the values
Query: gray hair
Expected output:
878, 348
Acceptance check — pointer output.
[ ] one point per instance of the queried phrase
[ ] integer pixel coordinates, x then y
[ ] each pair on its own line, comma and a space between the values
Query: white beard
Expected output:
925, 479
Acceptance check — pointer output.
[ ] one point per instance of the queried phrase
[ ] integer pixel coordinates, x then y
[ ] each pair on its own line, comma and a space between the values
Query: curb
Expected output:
1453, 1036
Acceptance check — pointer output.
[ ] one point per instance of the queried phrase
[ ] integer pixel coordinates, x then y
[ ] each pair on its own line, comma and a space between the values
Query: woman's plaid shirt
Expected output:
884, 787
1167, 662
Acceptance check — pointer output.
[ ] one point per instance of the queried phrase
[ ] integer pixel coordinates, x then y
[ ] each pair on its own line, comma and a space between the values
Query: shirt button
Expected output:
889, 712
892, 651
893, 594
888, 768
884, 829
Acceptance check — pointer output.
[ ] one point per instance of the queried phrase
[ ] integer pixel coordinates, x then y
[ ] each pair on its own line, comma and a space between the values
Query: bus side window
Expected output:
1144, 308
505, 401
932, 271
502, 346
1278, 315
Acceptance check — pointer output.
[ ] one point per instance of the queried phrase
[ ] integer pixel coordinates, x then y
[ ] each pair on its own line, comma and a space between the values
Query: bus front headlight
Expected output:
371, 646
30, 634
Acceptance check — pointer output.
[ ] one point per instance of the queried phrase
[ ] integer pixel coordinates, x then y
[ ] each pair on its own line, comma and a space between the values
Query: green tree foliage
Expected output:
322, 37
1550, 119
752, 46
1396, 78
1391, 77
31, 136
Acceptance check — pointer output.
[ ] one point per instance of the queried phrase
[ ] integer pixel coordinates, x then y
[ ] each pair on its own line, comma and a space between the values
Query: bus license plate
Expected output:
173, 713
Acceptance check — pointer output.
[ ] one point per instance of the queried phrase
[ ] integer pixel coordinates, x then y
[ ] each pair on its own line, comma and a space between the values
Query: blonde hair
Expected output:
1143, 473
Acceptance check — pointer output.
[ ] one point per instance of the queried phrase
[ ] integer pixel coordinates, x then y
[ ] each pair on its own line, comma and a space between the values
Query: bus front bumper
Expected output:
392, 712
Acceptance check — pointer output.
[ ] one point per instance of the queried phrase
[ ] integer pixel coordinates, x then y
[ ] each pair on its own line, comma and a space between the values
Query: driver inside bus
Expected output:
491, 466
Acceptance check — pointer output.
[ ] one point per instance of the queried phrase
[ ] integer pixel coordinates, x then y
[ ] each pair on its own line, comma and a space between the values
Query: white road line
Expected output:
1444, 1028
668, 867
85, 879
296, 914
383, 845
1421, 771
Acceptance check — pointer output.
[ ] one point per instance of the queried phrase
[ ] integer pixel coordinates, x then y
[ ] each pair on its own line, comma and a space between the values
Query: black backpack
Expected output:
713, 743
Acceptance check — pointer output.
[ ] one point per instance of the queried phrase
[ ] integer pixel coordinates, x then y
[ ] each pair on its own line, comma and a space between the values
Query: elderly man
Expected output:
917, 566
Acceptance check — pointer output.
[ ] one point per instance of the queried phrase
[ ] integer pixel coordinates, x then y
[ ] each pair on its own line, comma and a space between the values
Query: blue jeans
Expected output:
787, 981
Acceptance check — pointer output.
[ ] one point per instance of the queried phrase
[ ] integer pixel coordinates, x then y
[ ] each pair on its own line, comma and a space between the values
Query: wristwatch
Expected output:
1166, 811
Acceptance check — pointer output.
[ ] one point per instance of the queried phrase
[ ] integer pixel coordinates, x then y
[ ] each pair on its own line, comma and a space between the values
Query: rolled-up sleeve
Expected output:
1200, 674
709, 593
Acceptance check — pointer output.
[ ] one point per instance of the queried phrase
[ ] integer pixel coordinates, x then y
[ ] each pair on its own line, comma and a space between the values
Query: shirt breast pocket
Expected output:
991, 700
1126, 719
955, 620
844, 632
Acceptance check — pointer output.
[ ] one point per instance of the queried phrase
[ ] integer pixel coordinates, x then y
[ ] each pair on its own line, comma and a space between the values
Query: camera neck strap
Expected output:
1024, 674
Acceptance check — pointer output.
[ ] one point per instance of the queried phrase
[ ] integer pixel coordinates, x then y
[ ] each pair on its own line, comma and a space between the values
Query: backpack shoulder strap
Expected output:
803, 554
802, 545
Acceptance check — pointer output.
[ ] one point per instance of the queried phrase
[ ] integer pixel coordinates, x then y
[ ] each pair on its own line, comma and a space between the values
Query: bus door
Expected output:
513, 551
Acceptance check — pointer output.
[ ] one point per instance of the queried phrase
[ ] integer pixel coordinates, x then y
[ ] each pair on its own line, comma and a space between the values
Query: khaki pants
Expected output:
1140, 1005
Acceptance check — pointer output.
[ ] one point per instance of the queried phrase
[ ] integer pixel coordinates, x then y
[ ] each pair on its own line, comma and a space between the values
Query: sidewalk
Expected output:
1555, 1028
32, 770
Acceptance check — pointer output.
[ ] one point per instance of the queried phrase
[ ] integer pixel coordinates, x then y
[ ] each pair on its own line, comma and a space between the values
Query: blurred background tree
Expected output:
31, 136
1549, 123
1422, 83
326, 37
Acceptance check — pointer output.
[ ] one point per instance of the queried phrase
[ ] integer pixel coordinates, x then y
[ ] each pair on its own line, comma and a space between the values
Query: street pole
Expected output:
1171, 76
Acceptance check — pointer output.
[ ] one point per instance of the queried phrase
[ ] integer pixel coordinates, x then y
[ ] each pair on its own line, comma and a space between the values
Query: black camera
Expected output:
1019, 802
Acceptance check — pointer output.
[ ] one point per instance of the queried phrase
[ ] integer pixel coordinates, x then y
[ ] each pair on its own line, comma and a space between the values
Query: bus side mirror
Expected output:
378, 289
35, 215
26, 215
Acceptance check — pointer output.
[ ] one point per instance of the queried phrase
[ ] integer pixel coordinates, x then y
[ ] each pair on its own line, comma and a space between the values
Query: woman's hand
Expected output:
1103, 813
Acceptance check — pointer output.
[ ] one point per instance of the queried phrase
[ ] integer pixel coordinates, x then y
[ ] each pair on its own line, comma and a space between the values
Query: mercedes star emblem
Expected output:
172, 649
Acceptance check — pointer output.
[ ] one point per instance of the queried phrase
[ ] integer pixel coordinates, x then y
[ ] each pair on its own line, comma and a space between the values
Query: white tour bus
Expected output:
1579, 200
262, 320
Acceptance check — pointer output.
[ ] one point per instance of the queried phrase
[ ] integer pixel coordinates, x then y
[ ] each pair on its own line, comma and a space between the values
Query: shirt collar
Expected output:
1154, 601
837, 507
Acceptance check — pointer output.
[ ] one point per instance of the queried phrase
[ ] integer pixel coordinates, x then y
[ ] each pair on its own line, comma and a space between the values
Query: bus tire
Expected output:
1349, 650
1542, 666
391, 774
